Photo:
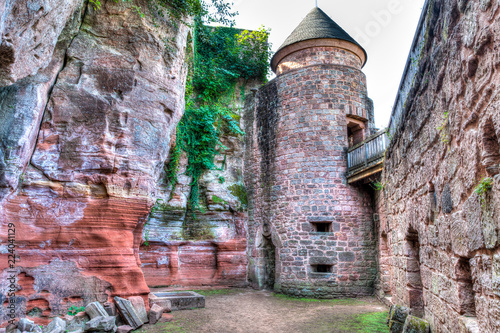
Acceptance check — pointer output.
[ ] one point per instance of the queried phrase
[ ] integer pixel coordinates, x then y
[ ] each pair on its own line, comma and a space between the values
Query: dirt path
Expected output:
250, 311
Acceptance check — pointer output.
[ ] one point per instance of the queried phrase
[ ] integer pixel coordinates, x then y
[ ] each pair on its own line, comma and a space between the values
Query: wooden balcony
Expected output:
367, 158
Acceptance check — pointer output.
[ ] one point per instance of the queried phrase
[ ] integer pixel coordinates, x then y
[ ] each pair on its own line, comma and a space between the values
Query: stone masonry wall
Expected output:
443, 236
297, 165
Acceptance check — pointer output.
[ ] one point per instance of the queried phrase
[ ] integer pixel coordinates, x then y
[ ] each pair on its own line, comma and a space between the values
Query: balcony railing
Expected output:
367, 153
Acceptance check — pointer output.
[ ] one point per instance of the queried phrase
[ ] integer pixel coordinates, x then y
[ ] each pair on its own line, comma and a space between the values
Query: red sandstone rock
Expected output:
29, 33
101, 145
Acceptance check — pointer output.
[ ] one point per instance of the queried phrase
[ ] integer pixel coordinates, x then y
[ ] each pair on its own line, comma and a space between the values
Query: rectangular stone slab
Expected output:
95, 309
128, 313
181, 300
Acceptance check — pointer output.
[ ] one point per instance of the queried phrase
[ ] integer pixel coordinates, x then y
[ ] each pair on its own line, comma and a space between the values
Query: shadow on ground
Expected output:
250, 311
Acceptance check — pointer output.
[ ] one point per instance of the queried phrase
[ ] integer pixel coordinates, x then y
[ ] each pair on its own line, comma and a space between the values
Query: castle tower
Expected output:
310, 233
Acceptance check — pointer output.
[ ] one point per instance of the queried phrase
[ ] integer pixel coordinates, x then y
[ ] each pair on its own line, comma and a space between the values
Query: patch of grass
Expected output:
339, 301
215, 292
373, 322
175, 326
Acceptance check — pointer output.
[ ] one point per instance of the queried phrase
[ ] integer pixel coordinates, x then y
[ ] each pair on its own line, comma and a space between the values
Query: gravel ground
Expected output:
251, 311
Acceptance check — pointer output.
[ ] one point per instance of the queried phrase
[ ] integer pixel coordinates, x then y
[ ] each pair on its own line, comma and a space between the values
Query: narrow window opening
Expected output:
321, 268
322, 226
414, 279
467, 302
385, 265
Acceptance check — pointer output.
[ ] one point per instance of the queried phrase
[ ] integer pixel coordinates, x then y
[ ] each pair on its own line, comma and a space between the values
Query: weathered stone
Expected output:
140, 308
25, 325
77, 321
155, 314
57, 325
90, 185
124, 329
29, 32
400, 313
101, 324
416, 325
395, 326
128, 313
446, 203
95, 309
165, 304
182, 300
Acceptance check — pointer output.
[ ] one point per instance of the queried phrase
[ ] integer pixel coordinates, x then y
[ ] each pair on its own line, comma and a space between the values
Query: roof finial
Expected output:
316, 3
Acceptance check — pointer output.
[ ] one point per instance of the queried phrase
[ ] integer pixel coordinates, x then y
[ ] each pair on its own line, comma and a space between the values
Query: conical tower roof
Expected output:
317, 25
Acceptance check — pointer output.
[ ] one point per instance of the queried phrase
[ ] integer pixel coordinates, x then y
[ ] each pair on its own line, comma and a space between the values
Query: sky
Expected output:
385, 28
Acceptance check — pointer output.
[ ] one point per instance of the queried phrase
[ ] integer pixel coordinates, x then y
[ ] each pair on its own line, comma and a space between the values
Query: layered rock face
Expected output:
207, 246
310, 233
440, 220
83, 142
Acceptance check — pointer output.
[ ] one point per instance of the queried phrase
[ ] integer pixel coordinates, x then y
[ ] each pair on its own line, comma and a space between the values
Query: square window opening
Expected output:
322, 226
321, 268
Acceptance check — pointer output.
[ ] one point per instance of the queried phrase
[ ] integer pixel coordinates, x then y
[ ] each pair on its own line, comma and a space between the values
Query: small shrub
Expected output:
73, 310
482, 188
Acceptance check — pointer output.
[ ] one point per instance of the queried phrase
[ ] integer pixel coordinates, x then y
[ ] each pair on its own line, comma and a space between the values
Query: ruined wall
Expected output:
295, 172
441, 234
83, 141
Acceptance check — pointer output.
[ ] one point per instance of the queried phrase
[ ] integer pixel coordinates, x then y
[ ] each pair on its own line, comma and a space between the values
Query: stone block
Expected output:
395, 326
416, 325
155, 314
25, 325
95, 309
400, 313
101, 325
128, 313
180, 300
140, 308
57, 325
347, 256
446, 202
77, 321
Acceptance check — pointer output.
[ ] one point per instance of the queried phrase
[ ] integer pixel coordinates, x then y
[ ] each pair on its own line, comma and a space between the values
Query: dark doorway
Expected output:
269, 254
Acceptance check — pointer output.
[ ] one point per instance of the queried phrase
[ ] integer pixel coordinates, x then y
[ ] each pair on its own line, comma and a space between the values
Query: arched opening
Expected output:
269, 256
491, 149
413, 276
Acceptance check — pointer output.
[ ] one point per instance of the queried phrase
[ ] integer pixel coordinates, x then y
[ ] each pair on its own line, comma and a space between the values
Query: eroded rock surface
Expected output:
83, 147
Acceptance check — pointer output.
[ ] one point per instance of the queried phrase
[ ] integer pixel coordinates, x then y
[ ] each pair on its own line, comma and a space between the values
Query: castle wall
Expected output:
295, 173
441, 234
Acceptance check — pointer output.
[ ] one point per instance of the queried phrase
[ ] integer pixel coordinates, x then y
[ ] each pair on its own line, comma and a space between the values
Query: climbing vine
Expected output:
221, 58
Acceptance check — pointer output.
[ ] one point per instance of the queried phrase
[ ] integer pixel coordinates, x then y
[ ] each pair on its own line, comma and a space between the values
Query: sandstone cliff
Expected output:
88, 103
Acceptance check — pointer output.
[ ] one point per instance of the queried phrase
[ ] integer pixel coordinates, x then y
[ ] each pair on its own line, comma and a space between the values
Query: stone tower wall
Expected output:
297, 164
443, 249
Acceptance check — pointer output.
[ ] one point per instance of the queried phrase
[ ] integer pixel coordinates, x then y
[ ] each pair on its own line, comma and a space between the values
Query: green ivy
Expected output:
221, 57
